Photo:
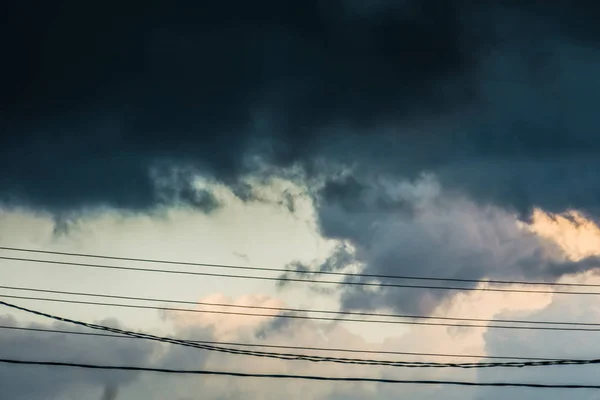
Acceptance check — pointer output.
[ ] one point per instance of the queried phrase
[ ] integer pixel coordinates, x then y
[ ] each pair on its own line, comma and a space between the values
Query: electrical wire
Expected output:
337, 350
331, 273
303, 317
303, 357
299, 310
303, 377
286, 279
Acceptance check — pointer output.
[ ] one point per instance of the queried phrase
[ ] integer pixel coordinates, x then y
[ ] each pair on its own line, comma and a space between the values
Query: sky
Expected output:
430, 138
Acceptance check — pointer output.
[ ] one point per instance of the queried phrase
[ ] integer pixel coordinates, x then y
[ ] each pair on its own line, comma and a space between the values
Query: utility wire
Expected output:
304, 377
304, 317
331, 273
287, 356
95, 334
299, 310
286, 279
306, 357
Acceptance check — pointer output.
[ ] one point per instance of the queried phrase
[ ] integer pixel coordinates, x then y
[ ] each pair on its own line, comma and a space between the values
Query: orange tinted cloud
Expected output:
576, 235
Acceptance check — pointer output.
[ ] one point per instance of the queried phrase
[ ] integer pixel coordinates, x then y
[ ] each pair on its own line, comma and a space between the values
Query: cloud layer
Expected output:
430, 138
497, 99
419, 229
58, 384
33, 383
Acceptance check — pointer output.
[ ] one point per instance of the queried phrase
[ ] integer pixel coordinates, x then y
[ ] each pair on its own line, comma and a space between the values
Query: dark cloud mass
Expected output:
416, 229
497, 98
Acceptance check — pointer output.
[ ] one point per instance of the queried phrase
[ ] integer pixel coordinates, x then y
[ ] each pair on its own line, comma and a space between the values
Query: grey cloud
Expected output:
440, 235
176, 185
340, 258
185, 357
497, 98
281, 323
110, 392
579, 345
46, 383
557, 269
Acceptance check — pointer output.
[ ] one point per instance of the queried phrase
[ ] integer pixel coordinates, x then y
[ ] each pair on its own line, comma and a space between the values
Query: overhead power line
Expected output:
301, 310
300, 272
308, 357
302, 317
304, 357
329, 349
286, 279
303, 377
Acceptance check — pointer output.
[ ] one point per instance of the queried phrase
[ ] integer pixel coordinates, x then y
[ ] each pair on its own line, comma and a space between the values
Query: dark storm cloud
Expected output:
111, 104
498, 98
95, 94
